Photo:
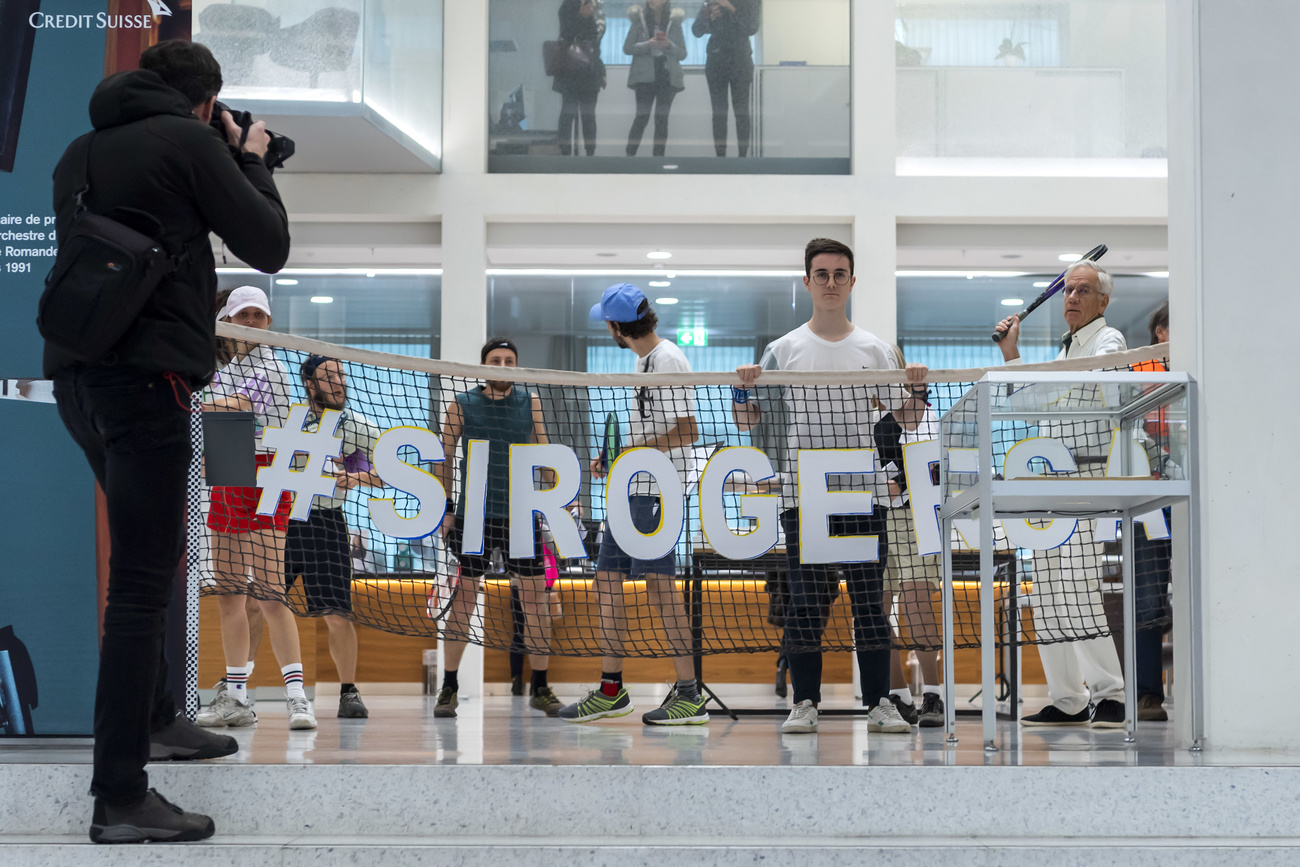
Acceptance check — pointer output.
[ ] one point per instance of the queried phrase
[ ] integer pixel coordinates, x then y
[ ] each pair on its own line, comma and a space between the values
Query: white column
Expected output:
464, 224
875, 247
1233, 221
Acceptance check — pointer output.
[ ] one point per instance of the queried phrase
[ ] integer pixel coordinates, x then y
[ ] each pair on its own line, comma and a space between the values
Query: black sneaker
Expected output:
908, 712
1108, 714
183, 741
153, 819
1054, 716
352, 707
931, 711
446, 704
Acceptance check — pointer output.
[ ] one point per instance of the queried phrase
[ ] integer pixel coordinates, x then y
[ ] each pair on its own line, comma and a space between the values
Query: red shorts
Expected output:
234, 510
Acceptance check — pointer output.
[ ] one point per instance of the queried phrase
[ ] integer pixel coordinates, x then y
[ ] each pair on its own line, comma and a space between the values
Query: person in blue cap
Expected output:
663, 418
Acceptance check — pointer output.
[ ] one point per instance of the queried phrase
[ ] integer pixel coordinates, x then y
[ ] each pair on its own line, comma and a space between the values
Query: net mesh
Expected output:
540, 598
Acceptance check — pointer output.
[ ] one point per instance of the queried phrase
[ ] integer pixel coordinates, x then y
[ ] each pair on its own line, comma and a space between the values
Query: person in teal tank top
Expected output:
504, 414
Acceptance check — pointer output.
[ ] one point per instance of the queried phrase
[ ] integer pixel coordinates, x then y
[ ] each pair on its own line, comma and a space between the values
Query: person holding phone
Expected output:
657, 45
729, 67
582, 26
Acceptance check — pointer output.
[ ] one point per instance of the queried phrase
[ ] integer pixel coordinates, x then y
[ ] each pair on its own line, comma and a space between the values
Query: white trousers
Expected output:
1067, 604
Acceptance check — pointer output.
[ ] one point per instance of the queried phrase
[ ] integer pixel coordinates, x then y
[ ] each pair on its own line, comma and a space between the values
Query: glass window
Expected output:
1079, 83
587, 86
379, 61
947, 322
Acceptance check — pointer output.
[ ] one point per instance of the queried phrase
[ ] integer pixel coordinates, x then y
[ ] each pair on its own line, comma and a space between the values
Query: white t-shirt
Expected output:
260, 377
655, 411
832, 416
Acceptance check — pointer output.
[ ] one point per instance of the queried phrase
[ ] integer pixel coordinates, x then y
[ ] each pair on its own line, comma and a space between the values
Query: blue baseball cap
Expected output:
619, 303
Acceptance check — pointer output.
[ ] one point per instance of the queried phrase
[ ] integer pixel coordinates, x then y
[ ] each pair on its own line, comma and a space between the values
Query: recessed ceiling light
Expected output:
970, 276
370, 274
1070, 257
670, 168
321, 299
1042, 284
286, 282
606, 255
658, 254
1162, 274
1012, 302
666, 301
671, 275
660, 284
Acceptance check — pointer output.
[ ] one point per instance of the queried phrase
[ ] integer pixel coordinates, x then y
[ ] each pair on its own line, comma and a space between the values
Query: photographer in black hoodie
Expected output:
153, 151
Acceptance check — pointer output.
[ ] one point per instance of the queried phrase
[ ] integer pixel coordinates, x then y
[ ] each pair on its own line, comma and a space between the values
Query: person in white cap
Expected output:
253, 380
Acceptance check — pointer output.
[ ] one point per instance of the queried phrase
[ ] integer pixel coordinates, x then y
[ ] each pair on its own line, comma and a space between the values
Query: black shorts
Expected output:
496, 536
318, 550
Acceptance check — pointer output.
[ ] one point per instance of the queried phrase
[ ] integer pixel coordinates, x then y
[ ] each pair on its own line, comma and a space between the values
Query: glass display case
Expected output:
372, 62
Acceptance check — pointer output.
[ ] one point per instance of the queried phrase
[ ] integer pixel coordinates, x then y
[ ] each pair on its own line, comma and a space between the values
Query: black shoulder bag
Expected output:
103, 275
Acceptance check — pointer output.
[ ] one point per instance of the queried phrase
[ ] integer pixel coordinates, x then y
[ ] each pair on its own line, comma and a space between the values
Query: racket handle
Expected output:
998, 335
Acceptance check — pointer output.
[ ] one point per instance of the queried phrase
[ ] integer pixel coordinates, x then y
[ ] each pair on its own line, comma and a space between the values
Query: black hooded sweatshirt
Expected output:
152, 154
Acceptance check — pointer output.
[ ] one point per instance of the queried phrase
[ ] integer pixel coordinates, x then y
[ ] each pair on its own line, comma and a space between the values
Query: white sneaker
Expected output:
225, 710
884, 717
802, 718
300, 715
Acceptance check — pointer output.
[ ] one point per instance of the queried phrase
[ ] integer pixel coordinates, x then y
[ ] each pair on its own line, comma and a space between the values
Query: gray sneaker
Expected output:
546, 701
226, 710
352, 707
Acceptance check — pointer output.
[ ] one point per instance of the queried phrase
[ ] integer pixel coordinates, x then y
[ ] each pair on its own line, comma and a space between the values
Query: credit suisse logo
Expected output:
100, 21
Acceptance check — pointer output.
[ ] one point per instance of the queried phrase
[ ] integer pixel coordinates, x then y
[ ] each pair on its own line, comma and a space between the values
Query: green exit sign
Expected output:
692, 337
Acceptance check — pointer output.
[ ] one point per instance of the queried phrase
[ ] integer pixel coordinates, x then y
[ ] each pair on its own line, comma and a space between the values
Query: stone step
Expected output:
328, 851
687, 803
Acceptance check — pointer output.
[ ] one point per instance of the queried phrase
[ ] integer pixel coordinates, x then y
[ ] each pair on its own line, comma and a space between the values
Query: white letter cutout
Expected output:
763, 507
817, 504
1022, 534
397, 473
1152, 522
618, 512
525, 499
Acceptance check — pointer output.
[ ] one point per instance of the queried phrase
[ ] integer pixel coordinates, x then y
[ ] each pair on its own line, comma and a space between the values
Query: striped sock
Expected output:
237, 683
293, 680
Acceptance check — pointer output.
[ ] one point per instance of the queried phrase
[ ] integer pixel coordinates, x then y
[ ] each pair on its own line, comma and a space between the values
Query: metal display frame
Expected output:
1123, 497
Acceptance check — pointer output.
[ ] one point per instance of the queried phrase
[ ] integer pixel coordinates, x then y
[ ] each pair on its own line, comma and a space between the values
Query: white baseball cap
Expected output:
245, 296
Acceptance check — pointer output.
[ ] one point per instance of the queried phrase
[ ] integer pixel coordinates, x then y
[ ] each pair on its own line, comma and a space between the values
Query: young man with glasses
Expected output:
835, 417
1067, 600
662, 418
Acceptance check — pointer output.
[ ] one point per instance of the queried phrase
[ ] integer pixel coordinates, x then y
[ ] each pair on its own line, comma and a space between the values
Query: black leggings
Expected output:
646, 96
571, 110
735, 71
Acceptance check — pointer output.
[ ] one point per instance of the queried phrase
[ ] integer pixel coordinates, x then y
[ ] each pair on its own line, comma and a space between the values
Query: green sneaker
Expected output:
446, 704
677, 710
545, 700
596, 706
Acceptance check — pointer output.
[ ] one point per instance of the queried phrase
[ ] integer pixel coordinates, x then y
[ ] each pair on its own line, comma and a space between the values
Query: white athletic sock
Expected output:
251, 663
928, 689
904, 693
293, 680
237, 683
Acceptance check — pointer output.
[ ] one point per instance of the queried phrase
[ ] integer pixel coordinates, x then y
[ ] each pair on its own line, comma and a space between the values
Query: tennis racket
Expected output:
1056, 286
611, 444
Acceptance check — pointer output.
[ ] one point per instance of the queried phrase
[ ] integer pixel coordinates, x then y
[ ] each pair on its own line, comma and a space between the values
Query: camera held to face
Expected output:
280, 149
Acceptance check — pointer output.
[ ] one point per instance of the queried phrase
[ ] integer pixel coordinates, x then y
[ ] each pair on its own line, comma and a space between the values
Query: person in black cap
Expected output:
502, 413
317, 550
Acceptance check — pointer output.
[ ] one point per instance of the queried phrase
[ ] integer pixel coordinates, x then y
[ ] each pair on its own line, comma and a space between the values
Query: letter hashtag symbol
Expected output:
308, 480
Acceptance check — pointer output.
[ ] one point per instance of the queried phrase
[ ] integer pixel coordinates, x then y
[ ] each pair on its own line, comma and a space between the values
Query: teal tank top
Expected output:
502, 423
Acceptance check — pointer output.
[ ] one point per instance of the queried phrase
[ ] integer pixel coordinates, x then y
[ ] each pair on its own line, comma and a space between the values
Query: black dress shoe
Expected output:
182, 740
1108, 714
152, 819
1054, 716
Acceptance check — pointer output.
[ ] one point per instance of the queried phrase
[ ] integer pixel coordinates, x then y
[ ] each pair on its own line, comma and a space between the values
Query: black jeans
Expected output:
571, 109
1151, 562
136, 436
735, 71
814, 588
646, 97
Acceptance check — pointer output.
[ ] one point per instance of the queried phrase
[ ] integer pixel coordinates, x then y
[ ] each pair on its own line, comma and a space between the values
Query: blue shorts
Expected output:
612, 558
